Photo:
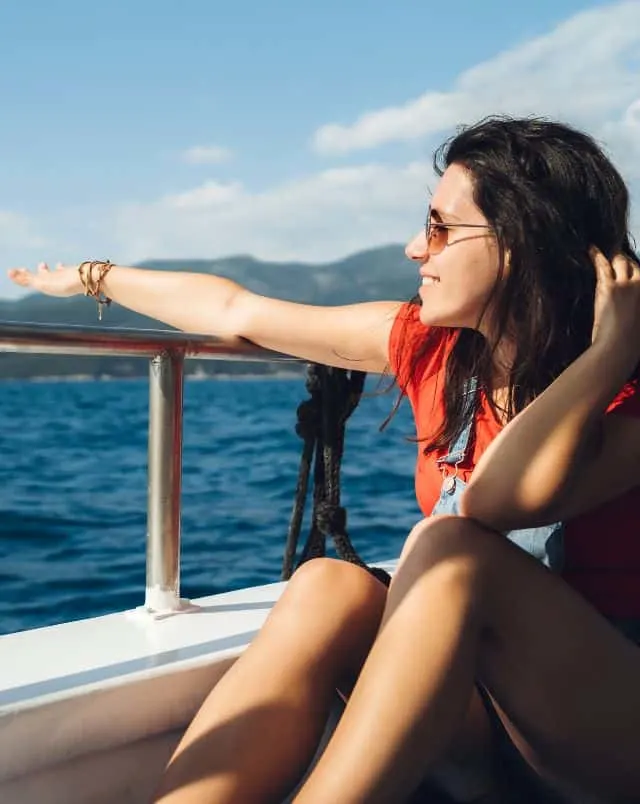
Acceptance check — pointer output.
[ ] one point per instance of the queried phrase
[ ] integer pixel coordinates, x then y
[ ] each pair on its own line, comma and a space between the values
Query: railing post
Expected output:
166, 389
167, 352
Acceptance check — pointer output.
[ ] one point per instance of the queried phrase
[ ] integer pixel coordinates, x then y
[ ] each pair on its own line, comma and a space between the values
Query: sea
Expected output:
73, 489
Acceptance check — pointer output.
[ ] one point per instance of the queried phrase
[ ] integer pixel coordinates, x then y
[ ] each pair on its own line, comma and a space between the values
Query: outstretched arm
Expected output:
350, 336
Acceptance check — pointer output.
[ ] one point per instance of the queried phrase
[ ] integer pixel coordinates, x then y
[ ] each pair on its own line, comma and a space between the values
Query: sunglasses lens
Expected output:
436, 238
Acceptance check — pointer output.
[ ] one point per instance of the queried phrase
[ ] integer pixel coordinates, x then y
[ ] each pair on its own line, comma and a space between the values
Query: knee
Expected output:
452, 540
333, 588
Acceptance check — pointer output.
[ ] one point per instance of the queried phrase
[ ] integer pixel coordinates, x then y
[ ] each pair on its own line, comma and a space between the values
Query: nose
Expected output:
416, 248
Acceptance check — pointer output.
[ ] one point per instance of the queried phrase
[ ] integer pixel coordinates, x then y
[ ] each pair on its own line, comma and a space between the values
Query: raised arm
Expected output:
352, 336
561, 456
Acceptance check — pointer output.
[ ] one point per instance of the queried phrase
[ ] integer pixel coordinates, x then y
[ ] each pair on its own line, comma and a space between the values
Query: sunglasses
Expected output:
438, 233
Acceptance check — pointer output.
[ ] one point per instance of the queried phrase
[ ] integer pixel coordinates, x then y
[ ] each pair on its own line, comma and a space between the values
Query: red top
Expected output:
602, 546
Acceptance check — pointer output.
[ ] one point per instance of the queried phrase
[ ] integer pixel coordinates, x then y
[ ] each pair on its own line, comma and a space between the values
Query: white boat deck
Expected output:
46, 664
75, 696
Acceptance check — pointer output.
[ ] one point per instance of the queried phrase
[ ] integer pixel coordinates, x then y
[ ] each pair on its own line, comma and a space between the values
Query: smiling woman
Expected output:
518, 594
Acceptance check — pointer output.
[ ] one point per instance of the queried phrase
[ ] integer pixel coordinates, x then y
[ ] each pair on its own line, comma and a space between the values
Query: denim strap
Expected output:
458, 448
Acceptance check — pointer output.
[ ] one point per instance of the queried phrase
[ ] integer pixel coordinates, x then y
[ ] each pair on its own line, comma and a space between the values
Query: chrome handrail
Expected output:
166, 351
74, 340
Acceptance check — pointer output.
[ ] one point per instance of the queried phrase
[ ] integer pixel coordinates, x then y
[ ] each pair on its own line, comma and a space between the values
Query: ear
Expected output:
506, 266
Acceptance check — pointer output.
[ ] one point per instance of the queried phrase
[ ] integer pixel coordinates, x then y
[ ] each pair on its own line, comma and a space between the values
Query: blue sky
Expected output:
286, 130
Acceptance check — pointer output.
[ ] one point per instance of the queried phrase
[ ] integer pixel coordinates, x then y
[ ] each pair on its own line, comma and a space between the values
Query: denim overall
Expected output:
544, 543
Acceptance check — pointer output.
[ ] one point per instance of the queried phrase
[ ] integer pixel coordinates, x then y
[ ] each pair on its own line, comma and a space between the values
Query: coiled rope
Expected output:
321, 419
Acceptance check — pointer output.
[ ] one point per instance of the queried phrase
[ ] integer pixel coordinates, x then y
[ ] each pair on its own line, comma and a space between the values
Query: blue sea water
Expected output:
73, 490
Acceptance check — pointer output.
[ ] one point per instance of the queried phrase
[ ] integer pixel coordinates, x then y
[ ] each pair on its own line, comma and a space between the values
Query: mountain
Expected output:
381, 273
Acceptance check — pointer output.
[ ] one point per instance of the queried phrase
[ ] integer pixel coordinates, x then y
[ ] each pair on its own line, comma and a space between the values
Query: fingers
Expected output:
20, 276
625, 268
617, 270
26, 278
603, 268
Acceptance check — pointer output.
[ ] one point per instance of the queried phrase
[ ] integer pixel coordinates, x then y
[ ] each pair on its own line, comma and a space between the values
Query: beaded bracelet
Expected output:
94, 288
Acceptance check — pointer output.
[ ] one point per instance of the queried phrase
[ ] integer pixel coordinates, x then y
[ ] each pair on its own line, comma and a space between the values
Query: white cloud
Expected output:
585, 71
207, 155
319, 217
623, 140
211, 193
19, 245
16, 231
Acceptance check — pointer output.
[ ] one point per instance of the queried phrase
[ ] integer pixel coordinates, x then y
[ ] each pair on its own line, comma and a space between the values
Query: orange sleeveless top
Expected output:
602, 546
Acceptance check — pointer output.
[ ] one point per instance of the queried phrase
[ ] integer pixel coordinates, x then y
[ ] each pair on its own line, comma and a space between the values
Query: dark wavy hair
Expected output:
549, 193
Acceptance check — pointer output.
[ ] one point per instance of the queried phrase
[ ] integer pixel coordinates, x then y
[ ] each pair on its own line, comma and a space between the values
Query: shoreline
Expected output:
75, 378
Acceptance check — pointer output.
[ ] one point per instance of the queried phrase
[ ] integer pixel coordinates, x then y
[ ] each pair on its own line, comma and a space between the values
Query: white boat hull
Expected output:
90, 711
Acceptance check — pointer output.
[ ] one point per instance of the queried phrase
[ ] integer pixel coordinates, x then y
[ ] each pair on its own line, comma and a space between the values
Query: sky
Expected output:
134, 130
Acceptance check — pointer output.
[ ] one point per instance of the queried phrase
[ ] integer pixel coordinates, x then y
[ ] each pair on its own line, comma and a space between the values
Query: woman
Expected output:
519, 358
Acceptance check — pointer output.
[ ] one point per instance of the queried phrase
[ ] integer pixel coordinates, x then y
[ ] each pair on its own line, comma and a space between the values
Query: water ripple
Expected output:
73, 491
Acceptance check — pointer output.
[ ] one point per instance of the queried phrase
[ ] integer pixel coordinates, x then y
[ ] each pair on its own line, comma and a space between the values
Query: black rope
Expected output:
321, 419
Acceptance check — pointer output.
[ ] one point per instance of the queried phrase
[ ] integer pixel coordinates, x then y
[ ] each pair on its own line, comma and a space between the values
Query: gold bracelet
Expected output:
92, 288
83, 277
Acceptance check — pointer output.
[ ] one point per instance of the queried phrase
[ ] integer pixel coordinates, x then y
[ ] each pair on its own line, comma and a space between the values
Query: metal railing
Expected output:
166, 351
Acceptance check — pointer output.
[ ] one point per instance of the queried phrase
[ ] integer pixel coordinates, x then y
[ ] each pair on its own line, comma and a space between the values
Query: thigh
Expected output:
566, 683
469, 769
483, 763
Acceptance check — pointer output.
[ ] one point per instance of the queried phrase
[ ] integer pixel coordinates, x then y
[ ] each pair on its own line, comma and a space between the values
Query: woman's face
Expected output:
457, 281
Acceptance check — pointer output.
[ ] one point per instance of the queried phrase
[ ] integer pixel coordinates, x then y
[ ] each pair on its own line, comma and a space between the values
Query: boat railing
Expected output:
166, 351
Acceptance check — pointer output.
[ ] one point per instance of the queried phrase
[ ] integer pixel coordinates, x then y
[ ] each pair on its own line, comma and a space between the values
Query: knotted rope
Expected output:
321, 419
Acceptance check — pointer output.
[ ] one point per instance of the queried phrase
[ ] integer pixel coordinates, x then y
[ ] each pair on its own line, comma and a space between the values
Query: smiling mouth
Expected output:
430, 280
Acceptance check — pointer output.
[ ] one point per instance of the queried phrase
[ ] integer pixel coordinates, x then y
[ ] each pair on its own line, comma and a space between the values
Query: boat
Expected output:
91, 710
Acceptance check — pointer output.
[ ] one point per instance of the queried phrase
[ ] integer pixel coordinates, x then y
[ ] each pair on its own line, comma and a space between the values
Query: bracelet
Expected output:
94, 287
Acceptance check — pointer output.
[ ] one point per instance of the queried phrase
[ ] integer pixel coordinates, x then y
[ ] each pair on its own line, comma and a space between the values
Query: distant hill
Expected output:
381, 273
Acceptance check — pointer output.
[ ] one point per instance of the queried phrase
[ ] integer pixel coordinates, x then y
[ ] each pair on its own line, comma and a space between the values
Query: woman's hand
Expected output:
63, 281
616, 317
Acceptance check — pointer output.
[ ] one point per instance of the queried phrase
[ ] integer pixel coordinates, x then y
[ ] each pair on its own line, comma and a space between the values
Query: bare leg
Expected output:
258, 729
466, 601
